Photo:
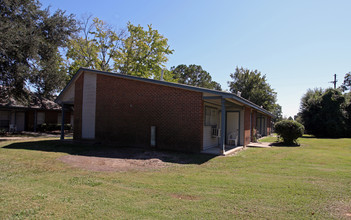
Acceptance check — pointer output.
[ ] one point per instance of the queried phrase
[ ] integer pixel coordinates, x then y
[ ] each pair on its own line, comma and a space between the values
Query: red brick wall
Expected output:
78, 102
51, 117
253, 127
247, 115
126, 110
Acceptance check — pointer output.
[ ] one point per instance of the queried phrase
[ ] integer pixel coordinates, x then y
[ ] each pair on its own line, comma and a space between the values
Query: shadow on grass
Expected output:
307, 137
281, 144
105, 151
320, 138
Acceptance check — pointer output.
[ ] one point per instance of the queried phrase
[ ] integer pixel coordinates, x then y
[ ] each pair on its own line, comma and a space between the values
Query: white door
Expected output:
232, 124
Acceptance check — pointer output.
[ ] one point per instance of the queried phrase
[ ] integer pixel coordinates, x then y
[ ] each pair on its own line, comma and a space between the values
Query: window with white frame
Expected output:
211, 115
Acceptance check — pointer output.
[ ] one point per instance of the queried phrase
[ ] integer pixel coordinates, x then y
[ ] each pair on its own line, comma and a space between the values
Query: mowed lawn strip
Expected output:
310, 181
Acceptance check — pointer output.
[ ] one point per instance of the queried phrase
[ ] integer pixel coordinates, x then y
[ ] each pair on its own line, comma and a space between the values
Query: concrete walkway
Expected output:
218, 151
260, 144
13, 138
27, 135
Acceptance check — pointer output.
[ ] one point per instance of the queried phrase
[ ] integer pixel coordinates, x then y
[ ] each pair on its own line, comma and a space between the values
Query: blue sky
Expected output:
296, 44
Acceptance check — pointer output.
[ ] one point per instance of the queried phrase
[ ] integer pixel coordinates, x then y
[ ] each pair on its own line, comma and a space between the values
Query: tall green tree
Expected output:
30, 41
332, 113
278, 113
310, 107
254, 87
323, 113
194, 75
348, 113
134, 51
347, 82
167, 76
50, 76
143, 53
95, 47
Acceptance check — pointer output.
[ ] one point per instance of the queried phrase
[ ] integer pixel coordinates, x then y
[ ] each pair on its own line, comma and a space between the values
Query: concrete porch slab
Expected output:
233, 151
260, 144
218, 151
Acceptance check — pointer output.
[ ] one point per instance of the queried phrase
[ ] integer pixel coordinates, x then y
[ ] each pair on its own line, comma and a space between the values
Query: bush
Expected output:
289, 131
2, 131
53, 127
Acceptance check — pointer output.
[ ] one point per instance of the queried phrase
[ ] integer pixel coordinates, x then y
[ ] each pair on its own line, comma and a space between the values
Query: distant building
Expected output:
27, 115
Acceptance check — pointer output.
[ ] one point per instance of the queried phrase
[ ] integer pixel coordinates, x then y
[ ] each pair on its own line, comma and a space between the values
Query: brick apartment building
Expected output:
139, 112
18, 115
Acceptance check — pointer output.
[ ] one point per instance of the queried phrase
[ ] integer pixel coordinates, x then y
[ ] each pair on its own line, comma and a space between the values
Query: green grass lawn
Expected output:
311, 181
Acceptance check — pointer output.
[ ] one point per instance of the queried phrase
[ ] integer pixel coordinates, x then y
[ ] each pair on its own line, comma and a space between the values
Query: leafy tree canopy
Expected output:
167, 76
95, 48
324, 113
194, 75
143, 52
134, 51
347, 82
277, 112
30, 41
254, 87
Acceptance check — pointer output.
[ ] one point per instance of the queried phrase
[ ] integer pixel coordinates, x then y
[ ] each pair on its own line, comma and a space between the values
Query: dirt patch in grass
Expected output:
111, 164
127, 159
341, 209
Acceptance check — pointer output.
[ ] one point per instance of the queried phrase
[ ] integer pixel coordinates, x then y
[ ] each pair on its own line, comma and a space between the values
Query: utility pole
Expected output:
334, 82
